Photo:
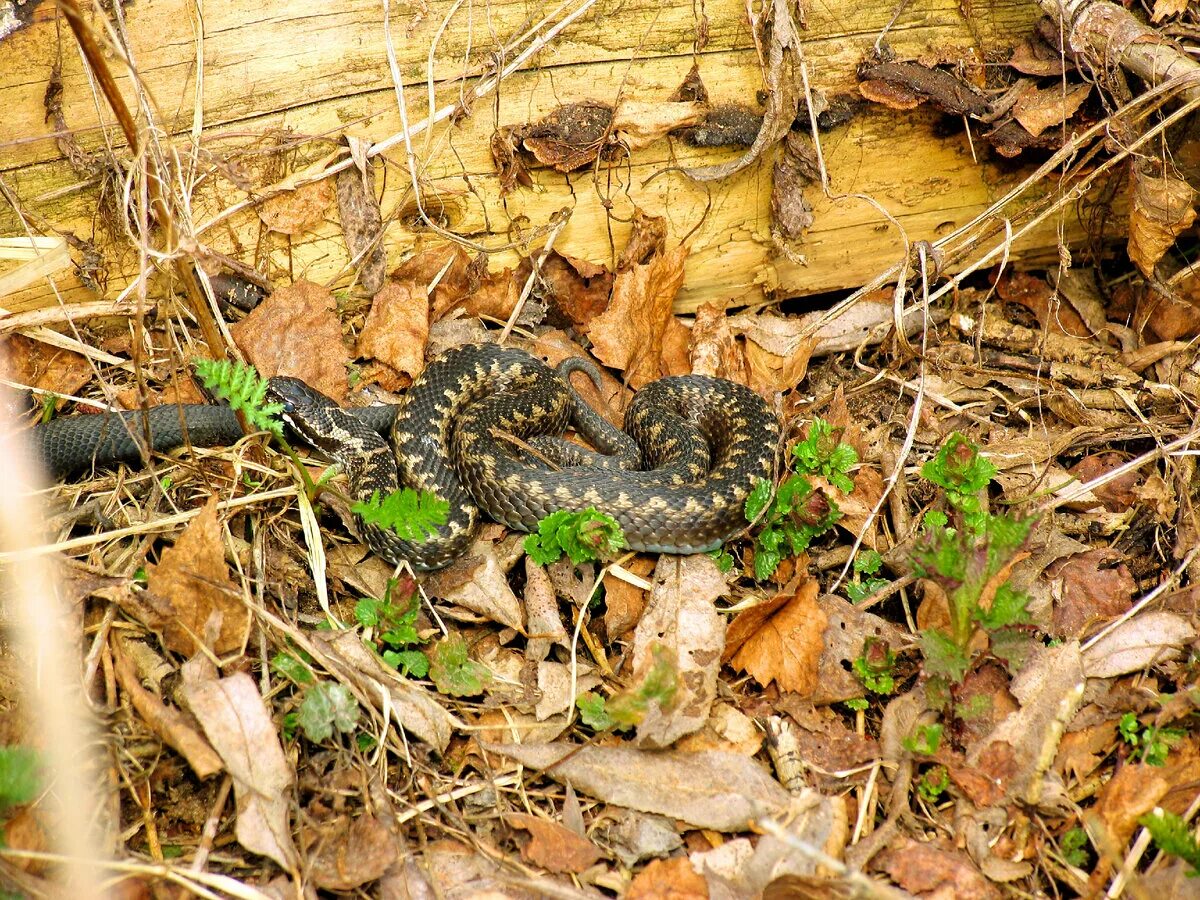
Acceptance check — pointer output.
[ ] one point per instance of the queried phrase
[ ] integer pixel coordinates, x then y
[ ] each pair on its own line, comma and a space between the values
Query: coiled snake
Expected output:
704, 442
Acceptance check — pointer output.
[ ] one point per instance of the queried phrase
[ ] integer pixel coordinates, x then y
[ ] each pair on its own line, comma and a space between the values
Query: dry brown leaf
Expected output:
167, 722
347, 853
543, 622
1118, 495
413, 709
553, 846
1148, 638
1080, 752
459, 276
668, 879
29, 362
630, 334
576, 290
571, 136
1049, 689
495, 297
893, 96
362, 222
1164, 9
781, 640
1162, 210
625, 602
193, 592
931, 871
485, 590
295, 212
638, 124
279, 338
720, 791
1089, 588
1132, 792
1036, 57
1041, 108
1036, 295
727, 729
238, 725
396, 331
452, 870
714, 350
681, 623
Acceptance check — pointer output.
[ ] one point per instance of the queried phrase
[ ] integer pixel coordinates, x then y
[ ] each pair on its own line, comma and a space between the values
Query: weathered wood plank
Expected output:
320, 69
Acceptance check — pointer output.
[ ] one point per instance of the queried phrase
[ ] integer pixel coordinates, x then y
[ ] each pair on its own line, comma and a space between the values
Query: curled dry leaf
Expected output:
192, 598
362, 222
637, 329
1042, 108
1036, 295
449, 869
396, 331
575, 290
238, 725
348, 853
1146, 639
1132, 792
168, 723
714, 349
682, 620
781, 640
625, 602
1162, 210
484, 589
668, 879
448, 269
543, 623
553, 846
933, 871
296, 332
295, 212
721, 791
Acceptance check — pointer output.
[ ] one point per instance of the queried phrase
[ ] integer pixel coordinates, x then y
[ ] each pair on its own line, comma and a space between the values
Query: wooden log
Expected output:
253, 93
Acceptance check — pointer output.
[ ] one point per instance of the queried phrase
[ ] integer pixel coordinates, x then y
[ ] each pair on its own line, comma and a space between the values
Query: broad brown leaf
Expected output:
396, 331
553, 846
781, 640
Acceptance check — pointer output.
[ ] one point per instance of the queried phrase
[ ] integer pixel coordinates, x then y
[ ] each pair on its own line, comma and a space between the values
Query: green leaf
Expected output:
868, 562
1073, 844
924, 741
1008, 608
942, 656
722, 558
327, 705
241, 386
1171, 834
366, 612
1129, 726
413, 515
453, 671
410, 663
292, 668
933, 784
592, 711
758, 500
19, 779
858, 704
583, 536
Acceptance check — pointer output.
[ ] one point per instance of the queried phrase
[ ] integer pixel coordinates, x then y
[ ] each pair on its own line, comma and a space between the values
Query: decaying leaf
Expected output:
668, 879
238, 725
412, 708
1162, 210
639, 124
553, 846
933, 871
781, 640
29, 362
681, 620
1089, 589
1041, 108
636, 331
714, 349
396, 331
295, 212
1147, 638
362, 221
279, 338
347, 853
721, 791
194, 600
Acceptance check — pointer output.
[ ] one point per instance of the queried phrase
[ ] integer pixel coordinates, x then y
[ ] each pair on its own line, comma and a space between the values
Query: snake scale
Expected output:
676, 479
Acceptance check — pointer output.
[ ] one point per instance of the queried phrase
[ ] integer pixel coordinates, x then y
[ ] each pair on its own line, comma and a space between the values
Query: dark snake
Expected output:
481, 429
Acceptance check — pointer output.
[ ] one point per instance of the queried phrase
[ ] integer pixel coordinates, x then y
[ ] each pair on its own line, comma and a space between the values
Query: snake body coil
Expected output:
704, 442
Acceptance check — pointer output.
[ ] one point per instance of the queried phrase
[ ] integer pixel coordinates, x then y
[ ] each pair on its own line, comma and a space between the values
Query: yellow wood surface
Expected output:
246, 93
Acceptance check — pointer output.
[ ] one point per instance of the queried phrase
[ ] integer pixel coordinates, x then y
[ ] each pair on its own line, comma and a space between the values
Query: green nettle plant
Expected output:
798, 513
968, 553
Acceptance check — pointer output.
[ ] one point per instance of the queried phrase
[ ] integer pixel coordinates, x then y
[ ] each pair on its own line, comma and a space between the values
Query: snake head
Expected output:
305, 409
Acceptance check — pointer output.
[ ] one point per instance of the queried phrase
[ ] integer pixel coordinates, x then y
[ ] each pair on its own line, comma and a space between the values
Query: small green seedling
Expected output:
924, 741
628, 708
865, 583
876, 666
1171, 834
1155, 742
452, 670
